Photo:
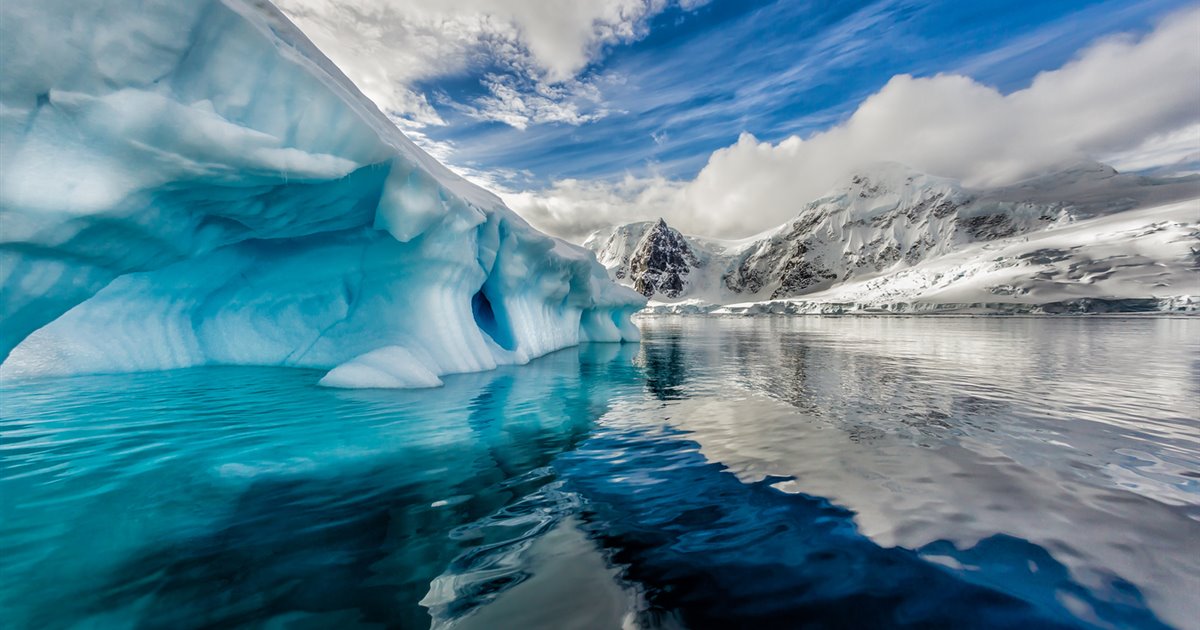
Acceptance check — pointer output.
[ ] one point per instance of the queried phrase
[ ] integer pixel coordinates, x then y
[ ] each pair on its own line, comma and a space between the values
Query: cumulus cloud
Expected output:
386, 46
1112, 101
574, 208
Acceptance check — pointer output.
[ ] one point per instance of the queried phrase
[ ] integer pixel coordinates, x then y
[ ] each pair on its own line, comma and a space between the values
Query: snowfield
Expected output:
1148, 253
192, 183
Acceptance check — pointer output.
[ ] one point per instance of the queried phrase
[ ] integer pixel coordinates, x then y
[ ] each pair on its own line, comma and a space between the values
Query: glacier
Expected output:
194, 183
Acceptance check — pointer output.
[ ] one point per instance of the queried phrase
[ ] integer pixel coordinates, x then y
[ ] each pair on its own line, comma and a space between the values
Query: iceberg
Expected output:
194, 183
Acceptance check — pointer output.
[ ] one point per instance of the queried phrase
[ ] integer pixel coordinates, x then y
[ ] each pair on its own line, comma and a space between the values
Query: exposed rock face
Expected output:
798, 275
661, 262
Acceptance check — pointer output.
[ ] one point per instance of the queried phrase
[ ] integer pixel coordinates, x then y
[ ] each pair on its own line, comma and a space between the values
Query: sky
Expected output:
725, 116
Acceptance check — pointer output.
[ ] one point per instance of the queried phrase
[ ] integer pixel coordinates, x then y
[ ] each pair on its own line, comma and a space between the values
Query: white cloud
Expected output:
1179, 148
1110, 102
520, 103
573, 208
386, 46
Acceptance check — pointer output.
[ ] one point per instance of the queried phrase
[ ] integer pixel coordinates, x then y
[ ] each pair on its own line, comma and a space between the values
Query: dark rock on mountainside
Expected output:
661, 262
799, 275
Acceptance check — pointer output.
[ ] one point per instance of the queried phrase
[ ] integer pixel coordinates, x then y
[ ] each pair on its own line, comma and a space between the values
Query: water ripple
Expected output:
726, 473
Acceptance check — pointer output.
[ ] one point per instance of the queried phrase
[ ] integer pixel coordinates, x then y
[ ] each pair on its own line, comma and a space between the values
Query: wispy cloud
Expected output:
1059, 37
531, 53
519, 102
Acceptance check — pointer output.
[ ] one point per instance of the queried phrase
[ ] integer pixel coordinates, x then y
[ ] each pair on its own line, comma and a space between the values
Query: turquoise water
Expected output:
724, 473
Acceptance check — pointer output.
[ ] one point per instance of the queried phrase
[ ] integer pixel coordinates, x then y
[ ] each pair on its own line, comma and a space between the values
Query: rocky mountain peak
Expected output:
661, 261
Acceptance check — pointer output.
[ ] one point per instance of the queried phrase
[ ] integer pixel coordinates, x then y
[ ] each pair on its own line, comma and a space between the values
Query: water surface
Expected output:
784, 472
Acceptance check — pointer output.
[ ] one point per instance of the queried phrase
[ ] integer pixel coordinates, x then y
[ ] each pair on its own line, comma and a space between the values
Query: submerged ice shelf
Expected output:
195, 183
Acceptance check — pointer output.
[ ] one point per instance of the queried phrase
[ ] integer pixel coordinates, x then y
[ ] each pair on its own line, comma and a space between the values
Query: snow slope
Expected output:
1138, 260
894, 239
190, 183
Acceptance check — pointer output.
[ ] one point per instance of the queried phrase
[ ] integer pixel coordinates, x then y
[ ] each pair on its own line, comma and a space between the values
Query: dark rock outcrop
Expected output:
661, 262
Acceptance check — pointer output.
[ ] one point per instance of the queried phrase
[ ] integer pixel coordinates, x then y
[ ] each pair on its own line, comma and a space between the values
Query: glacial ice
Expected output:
191, 183
390, 366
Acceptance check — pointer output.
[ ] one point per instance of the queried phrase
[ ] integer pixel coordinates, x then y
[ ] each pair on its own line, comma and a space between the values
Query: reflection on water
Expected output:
730, 554
1080, 436
757, 473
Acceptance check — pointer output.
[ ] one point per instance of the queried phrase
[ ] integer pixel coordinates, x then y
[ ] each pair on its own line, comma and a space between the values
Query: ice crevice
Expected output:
193, 183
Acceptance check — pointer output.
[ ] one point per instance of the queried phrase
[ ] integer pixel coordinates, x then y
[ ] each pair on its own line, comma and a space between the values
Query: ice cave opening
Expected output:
494, 327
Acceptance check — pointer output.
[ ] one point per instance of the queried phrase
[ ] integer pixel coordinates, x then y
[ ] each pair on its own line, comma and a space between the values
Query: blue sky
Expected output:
586, 112
701, 77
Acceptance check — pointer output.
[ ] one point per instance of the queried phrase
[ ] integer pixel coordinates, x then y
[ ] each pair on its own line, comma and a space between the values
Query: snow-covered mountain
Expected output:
190, 183
890, 237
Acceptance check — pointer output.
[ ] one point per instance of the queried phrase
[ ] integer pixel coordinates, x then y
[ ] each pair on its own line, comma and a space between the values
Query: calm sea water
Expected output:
801, 472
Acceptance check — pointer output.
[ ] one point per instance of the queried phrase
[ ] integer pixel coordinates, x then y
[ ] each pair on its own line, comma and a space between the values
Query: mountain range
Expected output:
888, 238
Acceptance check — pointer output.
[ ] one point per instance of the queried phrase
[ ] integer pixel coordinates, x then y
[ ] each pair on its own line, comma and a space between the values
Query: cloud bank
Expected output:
1110, 103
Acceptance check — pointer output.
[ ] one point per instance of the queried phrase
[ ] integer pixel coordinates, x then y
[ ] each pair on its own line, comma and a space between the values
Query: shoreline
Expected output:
1178, 306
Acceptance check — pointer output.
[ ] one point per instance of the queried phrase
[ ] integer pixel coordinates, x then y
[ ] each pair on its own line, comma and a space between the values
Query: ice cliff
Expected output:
190, 183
